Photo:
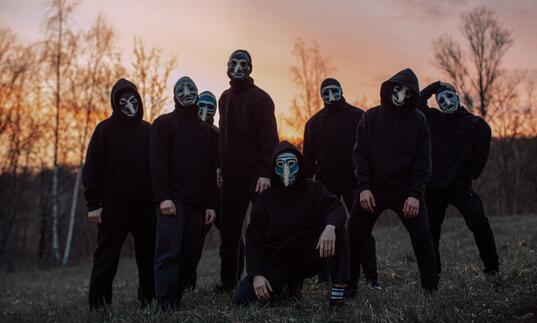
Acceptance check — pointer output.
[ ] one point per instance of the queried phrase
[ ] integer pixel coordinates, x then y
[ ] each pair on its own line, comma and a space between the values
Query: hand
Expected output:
327, 242
210, 216
367, 201
262, 184
167, 207
429, 90
219, 178
95, 216
411, 207
262, 287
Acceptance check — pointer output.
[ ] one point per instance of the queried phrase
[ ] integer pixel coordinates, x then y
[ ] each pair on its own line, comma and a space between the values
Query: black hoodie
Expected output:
329, 137
183, 158
117, 162
460, 143
393, 146
248, 131
286, 221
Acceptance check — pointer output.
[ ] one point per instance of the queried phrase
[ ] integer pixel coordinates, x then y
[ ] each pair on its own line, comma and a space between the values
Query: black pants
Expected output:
237, 195
362, 222
178, 240
306, 265
463, 197
118, 220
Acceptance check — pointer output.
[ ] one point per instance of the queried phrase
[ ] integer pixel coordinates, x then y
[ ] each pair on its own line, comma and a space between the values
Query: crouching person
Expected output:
296, 227
183, 173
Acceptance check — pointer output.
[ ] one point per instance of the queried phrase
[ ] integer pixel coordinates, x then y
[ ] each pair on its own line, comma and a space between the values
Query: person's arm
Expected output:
268, 131
361, 155
213, 188
425, 95
91, 173
309, 150
480, 149
158, 163
254, 249
422, 162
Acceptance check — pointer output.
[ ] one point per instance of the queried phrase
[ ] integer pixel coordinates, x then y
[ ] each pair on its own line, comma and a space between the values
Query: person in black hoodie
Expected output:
329, 138
183, 174
248, 135
392, 161
460, 149
296, 227
118, 194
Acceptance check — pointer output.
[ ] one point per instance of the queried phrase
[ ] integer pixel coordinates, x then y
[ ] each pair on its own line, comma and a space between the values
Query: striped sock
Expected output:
337, 293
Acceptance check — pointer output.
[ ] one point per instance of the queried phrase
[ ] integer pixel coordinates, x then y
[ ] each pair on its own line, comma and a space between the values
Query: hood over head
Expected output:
122, 86
407, 78
283, 147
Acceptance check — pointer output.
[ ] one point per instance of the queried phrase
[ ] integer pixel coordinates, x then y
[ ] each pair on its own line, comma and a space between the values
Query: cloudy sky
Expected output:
366, 40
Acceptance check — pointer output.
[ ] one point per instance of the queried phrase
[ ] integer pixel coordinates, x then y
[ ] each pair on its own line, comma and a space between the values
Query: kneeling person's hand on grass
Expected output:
262, 287
327, 242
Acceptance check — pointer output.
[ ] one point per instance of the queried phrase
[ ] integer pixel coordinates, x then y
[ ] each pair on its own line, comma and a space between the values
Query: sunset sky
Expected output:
366, 40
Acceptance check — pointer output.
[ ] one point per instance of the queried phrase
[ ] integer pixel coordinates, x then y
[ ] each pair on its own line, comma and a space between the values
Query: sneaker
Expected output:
374, 284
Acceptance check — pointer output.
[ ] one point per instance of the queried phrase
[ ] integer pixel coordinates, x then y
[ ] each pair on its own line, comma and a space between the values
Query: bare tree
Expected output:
151, 76
310, 69
476, 70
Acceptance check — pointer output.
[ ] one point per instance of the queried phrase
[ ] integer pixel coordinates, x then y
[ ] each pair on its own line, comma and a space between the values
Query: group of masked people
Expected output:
310, 213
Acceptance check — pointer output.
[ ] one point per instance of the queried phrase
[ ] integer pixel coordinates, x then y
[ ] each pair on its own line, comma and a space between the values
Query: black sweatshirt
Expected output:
285, 221
460, 143
393, 146
184, 158
248, 131
329, 138
117, 161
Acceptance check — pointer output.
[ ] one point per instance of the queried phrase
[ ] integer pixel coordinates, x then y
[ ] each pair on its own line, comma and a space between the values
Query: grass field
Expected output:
60, 295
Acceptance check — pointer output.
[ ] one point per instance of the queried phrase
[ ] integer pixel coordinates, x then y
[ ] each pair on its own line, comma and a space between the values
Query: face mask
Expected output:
287, 168
331, 93
186, 92
400, 95
239, 66
206, 110
128, 104
448, 101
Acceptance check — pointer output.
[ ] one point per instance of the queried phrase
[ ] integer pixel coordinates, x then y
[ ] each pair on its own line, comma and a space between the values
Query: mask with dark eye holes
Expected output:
185, 91
128, 103
400, 95
207, 106
331, 93
239, 65
448, 101
287, 168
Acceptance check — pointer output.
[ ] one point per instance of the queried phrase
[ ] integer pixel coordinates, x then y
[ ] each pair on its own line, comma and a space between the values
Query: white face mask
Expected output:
331, 93
128, 103
448, 101
400, 95
186, 91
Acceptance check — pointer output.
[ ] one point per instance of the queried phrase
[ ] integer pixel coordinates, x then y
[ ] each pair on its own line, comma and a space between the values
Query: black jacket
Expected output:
117, 161
248, 131
460, 144
329, 138
183, 158
286, 221
393, 146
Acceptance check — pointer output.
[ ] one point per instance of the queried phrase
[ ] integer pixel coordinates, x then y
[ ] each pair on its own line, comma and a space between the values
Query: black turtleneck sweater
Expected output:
117, 161
183, 158
393, 144
329, 138
288, 221
248, 131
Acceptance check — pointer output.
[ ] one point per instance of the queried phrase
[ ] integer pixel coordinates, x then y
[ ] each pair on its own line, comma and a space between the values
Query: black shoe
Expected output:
374, 284
350, 292
335, 303
493, 278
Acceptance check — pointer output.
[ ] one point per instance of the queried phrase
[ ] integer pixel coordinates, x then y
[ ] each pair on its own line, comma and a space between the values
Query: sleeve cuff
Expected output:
95, 205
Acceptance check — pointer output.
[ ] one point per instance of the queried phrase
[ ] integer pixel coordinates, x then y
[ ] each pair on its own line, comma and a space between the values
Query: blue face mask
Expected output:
287, 168
448, 101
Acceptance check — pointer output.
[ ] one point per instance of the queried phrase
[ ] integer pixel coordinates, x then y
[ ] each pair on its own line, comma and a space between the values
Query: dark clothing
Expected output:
178, 239
117, 161
184, 158
362, 222
393, 149
248, 131
329, 138
118, 220
463, 197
